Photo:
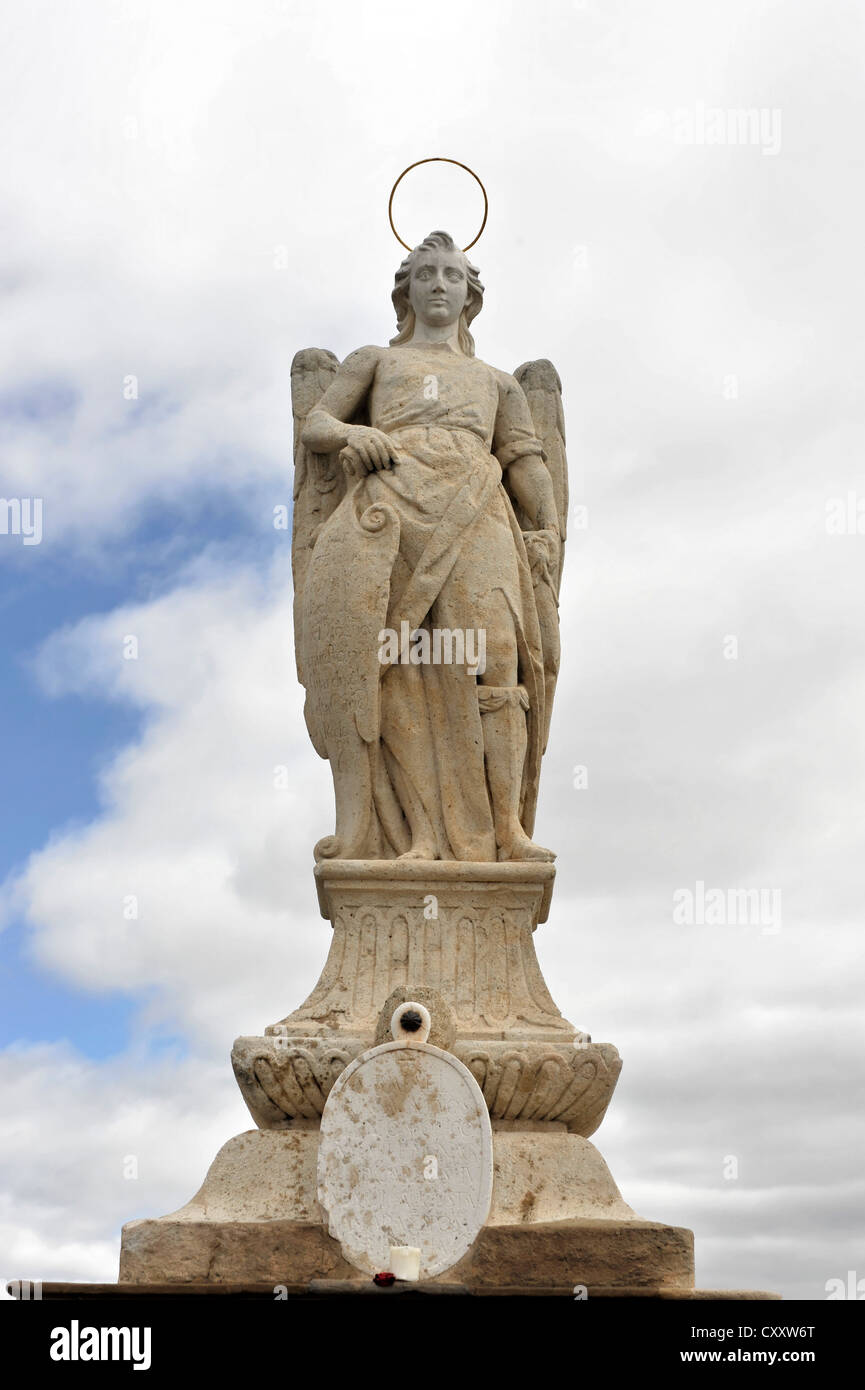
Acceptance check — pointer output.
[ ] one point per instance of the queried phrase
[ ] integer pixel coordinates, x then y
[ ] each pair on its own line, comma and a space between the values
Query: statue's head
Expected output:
437, 284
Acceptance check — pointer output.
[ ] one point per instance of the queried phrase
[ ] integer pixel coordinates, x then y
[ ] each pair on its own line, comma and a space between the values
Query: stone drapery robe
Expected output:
432, 542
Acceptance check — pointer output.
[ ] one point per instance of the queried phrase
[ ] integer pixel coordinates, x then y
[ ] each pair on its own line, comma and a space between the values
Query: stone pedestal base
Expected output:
457, 938
460, 939
557, 1219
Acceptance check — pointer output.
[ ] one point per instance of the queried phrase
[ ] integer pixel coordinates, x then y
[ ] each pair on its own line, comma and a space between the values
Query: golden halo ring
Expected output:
436, 159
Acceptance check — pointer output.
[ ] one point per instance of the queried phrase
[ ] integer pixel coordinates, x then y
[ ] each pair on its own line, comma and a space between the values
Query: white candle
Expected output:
405, 1262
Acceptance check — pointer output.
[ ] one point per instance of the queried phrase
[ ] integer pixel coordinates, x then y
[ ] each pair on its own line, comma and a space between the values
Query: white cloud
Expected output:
74, 1133
199, 838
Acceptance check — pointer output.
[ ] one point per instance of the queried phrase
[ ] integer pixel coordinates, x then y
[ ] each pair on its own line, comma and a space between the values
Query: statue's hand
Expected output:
542, 548
368, 449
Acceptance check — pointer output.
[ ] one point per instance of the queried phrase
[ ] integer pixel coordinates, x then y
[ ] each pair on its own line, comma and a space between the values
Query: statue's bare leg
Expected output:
503, 706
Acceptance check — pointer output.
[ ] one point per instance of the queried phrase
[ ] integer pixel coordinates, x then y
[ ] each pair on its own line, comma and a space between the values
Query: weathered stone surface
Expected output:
463, 930
545, 1175
444, 1029
230, 1252
603, 1254
590, 1252
430, 497
532, 1082
260, 1175
405, 1157
457, 933
286, 1079
256, 1218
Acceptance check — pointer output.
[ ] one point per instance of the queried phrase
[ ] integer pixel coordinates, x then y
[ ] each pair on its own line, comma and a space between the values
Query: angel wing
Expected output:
542, 388
342, 556
319, 479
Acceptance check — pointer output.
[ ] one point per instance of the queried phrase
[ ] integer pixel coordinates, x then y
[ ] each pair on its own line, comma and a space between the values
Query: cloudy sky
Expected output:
191, 192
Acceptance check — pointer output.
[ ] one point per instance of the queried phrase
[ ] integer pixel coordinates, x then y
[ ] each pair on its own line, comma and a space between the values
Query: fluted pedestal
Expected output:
458, 938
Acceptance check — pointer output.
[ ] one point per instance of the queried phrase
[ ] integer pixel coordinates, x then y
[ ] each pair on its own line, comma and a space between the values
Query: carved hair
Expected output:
405, 316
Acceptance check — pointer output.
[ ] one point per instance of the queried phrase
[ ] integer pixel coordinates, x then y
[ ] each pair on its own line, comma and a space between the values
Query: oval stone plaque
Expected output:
405, 1157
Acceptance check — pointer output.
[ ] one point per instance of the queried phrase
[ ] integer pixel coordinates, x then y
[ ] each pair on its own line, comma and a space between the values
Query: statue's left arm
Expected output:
521, 455
532, 486
523, 435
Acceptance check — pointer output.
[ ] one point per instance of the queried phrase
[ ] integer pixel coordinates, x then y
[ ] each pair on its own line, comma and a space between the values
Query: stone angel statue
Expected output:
430, 501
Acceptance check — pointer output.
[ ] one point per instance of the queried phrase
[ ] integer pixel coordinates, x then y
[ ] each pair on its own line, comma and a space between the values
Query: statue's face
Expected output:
438, 287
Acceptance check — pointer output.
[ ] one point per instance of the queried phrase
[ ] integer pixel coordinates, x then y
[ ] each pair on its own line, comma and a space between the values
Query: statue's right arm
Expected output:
327, 429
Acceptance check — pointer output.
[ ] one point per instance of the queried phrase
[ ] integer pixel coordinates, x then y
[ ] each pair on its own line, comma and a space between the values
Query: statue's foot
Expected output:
422, 850
520, 847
